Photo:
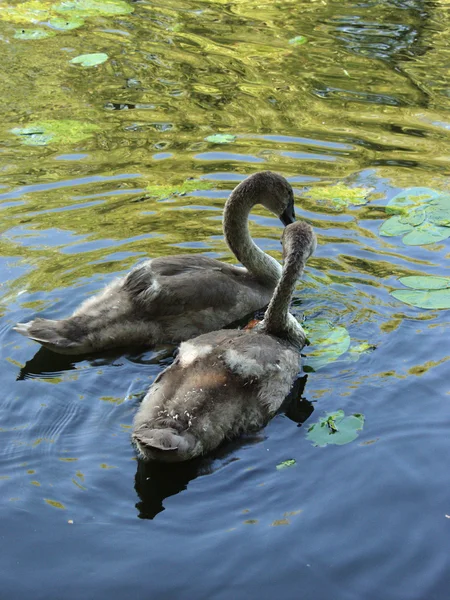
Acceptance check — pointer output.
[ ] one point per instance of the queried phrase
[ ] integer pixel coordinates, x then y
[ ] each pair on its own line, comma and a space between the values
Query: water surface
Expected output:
364, 102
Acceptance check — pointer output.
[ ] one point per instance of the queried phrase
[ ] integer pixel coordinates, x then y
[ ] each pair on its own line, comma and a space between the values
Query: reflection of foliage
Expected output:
425, 291
335, 428
62, 132
62, 16
421, 216
221, 138
329, 342
339, 195
190, 185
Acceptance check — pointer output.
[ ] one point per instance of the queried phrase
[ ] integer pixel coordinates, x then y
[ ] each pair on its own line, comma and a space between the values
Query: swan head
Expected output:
299, 242
271, 190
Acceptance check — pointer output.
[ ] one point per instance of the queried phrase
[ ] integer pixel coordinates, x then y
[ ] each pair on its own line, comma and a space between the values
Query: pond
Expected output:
109, 159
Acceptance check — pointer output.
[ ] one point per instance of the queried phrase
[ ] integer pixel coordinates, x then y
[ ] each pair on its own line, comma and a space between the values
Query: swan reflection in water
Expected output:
154, 481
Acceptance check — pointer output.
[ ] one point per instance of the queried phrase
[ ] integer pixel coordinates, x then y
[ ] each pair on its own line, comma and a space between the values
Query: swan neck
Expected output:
237, 236
277, 316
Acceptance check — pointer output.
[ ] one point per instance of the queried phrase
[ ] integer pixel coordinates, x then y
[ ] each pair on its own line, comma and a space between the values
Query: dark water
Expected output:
365, 101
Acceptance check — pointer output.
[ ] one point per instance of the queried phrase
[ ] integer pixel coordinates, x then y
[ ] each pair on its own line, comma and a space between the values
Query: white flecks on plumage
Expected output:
189, 353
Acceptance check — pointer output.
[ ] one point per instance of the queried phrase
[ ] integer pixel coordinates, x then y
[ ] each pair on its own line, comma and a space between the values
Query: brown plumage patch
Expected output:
209, 379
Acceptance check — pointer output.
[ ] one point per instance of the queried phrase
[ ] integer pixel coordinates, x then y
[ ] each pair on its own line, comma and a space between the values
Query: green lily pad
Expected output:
393, 227
355, 352
59, 16
329, 342
335, 428
64, 131
402, 202
85, 8
221, 138
27, 12
286, 464
90, 60
298, 40
426, 233
66, 24
190, 185
414, 218
438, 210
425, 282
431, 299
422, 216
340, 195
33, 34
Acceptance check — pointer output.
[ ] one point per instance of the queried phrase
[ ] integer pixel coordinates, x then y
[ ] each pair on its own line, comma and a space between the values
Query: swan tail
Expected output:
166, 445
55, 335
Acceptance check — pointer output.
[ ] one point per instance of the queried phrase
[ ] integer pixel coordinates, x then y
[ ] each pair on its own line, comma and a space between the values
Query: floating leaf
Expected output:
298, 40
425, 282
90, 60
55, 503
221, 138
357, 350
335, 428
427, 233
94, 7
286, 463
33, 34
402, 202
394, 226
432, 299
339, 195
422, 217
190, 185
329, 342
414, 218
66, 24
26, 12
64, 131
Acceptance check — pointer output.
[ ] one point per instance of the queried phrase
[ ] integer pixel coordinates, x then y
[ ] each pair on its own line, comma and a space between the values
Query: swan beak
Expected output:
288, 216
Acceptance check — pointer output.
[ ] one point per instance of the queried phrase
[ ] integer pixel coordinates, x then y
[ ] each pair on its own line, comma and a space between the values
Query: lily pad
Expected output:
404, 201
393, 227
422, 216
425, 292
190, 185
425, 282
340, 195
66, 24
64, 131
298, 40
286, 464
33, 34
431, 299
33, 11
335, 428
329, 342
426, 233
90, 60
221, 138
355, 352
85, 8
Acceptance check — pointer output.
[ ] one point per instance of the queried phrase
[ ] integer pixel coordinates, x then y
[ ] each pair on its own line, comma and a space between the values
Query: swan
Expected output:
173, 298
227, 382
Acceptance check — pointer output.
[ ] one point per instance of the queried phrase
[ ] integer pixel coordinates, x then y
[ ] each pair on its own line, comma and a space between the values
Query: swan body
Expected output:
227, 382
171, 299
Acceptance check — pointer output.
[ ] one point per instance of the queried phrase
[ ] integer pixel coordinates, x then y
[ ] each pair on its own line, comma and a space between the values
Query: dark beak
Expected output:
288, 215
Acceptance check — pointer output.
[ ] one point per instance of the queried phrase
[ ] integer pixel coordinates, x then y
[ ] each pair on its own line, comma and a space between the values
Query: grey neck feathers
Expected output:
277, 319
237, 236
